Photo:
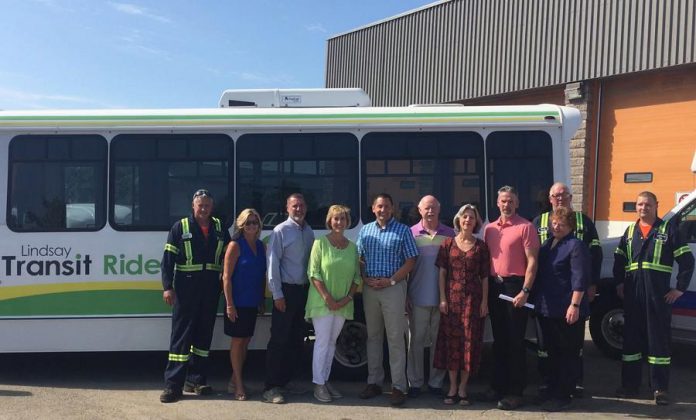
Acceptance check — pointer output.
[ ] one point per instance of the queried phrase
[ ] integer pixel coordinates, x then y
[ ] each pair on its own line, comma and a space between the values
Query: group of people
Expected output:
446, 280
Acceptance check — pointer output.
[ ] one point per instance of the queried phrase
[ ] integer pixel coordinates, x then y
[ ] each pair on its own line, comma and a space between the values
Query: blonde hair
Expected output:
241, 221
337, 209
460, 213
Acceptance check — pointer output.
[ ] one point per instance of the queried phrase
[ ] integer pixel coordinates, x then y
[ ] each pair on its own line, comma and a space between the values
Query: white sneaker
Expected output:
321, 393
333, 391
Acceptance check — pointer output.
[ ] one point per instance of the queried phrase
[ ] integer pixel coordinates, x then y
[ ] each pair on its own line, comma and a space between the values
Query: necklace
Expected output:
338, 243
465, 244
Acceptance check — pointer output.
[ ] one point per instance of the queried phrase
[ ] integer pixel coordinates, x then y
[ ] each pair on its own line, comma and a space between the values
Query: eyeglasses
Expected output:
251, 223
559, 195
202, 193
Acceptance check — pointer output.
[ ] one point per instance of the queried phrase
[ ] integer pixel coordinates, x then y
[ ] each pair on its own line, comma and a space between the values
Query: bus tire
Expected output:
606, 326
350, 359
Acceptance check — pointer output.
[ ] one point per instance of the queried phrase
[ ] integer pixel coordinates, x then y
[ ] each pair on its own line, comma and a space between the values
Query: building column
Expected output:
580, 95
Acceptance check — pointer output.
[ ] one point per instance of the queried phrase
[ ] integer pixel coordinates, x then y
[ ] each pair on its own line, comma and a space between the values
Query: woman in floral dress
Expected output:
464, 263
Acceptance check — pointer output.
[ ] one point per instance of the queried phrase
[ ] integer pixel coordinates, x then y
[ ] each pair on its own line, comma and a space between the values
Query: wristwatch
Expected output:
392, 281
575, 305
526, 290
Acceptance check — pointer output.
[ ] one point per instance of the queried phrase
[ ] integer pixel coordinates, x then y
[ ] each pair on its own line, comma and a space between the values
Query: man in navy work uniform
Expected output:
642, 268
585, 230
191, 268
388, 253
288, 255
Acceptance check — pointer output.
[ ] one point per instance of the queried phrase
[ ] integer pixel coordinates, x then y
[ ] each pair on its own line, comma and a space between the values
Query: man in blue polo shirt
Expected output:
388, 253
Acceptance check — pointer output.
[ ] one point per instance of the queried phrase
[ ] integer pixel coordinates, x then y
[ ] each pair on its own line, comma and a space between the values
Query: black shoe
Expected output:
662, 398
557, 405
414, 392
198, 389
169, 396
578, 392
625, 392
510, 402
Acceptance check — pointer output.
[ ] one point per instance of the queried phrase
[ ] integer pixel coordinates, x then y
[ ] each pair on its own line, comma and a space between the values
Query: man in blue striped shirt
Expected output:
388, 253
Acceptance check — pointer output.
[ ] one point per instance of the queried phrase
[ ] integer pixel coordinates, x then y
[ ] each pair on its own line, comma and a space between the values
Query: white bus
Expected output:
90, 195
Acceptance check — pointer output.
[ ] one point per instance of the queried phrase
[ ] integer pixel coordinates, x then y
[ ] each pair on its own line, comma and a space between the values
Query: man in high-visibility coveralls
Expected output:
191, 268
642, 269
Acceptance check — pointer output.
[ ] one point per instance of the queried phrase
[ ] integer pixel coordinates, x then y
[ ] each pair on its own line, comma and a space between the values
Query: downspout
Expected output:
598, 120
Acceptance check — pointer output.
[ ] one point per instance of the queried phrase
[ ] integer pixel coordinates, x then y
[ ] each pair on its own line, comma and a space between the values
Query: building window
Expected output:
57, 183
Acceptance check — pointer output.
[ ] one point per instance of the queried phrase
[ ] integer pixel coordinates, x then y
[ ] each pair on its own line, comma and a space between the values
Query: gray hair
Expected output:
508, 189
460, 213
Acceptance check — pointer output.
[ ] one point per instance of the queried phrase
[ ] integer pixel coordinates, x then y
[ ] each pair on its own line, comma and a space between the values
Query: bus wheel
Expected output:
350, 360
606, 329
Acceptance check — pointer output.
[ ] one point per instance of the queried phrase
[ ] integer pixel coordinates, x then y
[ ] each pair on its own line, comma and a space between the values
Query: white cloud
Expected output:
132, 41
316, 27
20, 99
135, 10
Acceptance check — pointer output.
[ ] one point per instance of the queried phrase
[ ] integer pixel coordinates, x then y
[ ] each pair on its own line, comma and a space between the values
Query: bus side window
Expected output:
524, 160
153, 177
409, 165
57, 183
321, 166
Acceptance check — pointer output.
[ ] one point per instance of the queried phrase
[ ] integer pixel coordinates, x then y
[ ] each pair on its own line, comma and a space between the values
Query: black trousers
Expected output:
563, 344
509, 325
193, 319
288, 330
543, 364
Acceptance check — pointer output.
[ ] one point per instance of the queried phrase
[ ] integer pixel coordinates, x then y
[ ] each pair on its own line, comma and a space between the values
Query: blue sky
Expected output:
168, 53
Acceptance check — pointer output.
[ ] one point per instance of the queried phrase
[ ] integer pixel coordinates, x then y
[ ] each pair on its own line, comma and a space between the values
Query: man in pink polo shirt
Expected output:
514, 246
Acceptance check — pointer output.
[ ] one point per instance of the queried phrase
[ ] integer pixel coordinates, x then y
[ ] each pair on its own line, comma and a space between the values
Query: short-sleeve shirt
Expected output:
385, 250
507, 243
423, 289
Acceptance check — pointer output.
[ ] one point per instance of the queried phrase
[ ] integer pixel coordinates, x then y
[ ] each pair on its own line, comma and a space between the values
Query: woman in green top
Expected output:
334, 274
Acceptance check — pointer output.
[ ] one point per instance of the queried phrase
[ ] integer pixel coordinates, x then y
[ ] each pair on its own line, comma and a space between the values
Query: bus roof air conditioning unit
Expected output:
294, 98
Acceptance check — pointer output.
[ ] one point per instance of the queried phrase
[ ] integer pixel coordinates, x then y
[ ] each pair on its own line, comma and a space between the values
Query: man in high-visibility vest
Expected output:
585, 230
191, 268
642, 269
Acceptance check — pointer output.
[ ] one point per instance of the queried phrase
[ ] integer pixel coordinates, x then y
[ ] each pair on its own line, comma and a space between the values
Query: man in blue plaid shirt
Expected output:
388, 253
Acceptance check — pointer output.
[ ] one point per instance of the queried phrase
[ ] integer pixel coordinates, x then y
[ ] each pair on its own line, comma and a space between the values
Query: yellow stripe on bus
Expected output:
11, 292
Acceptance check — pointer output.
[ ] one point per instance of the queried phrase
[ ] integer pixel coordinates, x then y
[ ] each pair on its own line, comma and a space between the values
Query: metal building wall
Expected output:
463, 49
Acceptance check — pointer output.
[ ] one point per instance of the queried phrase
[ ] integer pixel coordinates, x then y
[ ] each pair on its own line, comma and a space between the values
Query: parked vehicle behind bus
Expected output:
607, 318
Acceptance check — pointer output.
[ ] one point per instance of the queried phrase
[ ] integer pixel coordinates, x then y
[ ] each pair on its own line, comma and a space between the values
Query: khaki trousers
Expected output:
384, 309
423, 323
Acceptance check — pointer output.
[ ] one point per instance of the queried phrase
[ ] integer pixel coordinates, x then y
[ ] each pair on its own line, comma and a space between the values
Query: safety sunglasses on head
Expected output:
202, 193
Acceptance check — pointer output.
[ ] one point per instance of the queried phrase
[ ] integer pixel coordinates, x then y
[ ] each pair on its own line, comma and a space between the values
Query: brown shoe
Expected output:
370, 391
398, 398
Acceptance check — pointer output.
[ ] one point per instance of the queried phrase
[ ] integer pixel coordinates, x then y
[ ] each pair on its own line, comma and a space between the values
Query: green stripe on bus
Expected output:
367, 116
87, 303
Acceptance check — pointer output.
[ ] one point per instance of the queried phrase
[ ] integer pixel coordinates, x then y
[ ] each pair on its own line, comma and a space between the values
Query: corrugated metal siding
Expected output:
472, 48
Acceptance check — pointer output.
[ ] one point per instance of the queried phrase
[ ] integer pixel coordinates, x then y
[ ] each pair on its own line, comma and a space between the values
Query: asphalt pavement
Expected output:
127, 386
